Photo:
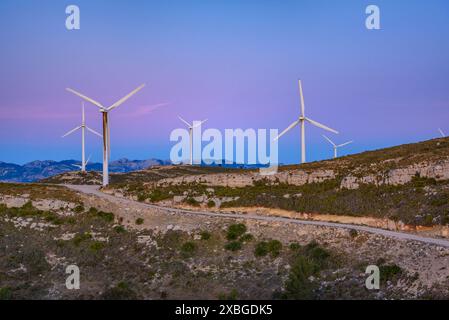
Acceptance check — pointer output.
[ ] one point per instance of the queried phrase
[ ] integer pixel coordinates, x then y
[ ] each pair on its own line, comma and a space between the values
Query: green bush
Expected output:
272, 247
210, 204
139, 221
298, 285
233, 295
233, 246
246, 237
106, 216
81, 237
191, 201
353, 233
122, 291
235, 231
205, 235
389, 272
5, 293
261, 249
96, 246
188, 247
294, 246
119, 229
78, 209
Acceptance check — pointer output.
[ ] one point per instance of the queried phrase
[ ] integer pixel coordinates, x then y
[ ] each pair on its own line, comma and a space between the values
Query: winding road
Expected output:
95, 190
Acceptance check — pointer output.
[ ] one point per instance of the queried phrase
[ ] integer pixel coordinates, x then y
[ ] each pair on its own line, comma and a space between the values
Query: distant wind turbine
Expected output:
335, 145
106, 133
442, 133
82, 164
301, 120
82, 127
191, 127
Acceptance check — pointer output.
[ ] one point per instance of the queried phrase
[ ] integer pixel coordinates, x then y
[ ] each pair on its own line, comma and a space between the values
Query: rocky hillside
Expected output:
408, 183
127, 251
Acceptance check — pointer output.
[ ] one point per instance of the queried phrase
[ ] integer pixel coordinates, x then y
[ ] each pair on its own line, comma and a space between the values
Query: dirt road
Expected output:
94, 190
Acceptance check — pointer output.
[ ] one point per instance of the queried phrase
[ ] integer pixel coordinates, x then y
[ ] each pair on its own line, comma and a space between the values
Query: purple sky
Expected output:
233, 62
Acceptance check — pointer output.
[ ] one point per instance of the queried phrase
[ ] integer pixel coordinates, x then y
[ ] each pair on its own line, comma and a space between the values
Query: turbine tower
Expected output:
106, 133
82, 127
443, 135
302, 121
191, 127
335, 145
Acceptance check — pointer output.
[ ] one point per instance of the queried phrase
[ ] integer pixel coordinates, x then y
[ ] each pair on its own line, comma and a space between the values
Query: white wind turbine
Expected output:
106, 133
191, 127
443, 135
302, 121
81, 166
335, 145
82, 127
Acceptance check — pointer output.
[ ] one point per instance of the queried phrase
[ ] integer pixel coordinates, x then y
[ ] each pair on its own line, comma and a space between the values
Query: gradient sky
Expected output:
233, 62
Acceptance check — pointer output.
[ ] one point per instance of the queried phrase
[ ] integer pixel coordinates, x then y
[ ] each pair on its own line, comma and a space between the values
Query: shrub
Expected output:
235, 231
106, 216
139, 221
210, 204
205, 235
246, 237
93, 210
233, 295
233, 246
96, 246
191, 201
119, 229
80, 237
353, 233
294, 246
121, 291
78, 209
5, 293
298, 285
261, 249
272, 247
188, 247
389, 272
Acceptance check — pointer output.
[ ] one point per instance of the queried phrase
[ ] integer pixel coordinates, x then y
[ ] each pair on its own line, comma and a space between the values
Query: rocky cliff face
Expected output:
438, 170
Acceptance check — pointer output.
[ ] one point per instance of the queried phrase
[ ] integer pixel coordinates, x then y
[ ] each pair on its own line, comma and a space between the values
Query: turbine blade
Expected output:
129, 95
98, 104
87, 161
286, 130
345, 144
188, 124
199, 124
322, 126
442, 133
94, 132
71, 131
330, 141
302, 98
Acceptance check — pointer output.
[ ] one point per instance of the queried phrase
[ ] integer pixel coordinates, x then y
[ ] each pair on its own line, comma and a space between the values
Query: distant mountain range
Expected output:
37, 170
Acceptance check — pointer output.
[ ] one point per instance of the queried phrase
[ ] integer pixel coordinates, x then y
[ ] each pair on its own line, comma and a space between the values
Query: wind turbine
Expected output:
335, 145
442, 133
106, 133
81, 166
302, 121
82, 127
191, 127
